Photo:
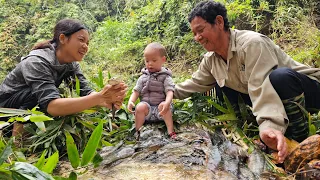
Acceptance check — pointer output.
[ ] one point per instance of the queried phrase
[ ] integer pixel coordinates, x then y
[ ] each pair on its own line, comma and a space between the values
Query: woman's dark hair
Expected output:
64, 26
208, 10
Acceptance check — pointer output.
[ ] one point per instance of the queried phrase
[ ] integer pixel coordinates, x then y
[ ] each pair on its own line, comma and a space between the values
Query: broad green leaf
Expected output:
97, 159
228, 104
68, 128
6, 151
72, 150
77, 86
5, 176
73, 176
106, 143
41, 160
21, 157
40, 118
13, 111
2, 145
27, 118
92, 145
51, 163
22, 170
41, 126
312, 130
34, 111
60, 178
242, 108
109, 75
20, 119
122, 115
217, 106
90, 126
101, 78
3, 124
89, 111
225, 117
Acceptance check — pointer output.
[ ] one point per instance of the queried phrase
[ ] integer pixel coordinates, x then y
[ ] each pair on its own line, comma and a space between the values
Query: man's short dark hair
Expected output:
208, 10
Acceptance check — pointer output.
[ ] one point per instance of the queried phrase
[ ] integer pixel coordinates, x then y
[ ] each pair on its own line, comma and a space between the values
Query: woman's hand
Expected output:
113, 94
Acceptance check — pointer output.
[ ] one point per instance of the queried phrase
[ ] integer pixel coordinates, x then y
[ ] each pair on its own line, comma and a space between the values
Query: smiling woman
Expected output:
36, 79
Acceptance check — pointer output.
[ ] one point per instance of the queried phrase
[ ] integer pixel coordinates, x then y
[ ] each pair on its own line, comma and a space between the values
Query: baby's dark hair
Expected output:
157, 46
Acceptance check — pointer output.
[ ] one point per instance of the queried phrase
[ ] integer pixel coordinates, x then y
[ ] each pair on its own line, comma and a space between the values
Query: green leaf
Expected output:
97, 159
3, 124
73, 176
13, 111
217, 106
72, 150
51, 163
77, 86
92, 145
6, 151
86, 124
40, 118
89, 111
5, 176
21, 157
312, 130
41, 126
122, 116
228, 104
60, 178
20, 119
225, 117
22, 170
106, 143
41, 160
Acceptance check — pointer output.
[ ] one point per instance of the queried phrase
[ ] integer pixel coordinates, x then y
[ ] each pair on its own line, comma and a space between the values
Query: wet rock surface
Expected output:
195, 154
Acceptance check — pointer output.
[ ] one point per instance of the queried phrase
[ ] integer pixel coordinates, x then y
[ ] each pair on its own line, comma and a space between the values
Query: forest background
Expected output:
120, 29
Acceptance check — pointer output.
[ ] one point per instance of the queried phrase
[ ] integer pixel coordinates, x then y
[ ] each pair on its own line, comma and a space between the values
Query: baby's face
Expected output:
153, 60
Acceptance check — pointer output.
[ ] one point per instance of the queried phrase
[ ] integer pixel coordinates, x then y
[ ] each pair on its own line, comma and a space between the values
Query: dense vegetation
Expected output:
120, 29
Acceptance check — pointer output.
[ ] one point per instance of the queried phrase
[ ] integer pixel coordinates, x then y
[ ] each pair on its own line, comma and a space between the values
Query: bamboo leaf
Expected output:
41, 160
3, 124
77, 86
51, 163
40, 118
72, 150
312, 130
89, 111
41, 126
20, 119
13, 111
242, 108
217, 106
106, 143
20, 156
92, 145
228, 104
97, 159
225, 117
100, 79
26, 171
73, 176
6, 151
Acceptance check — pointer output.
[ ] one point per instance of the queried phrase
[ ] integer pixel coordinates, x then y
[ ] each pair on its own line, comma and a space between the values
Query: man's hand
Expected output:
163, 108
275, 140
